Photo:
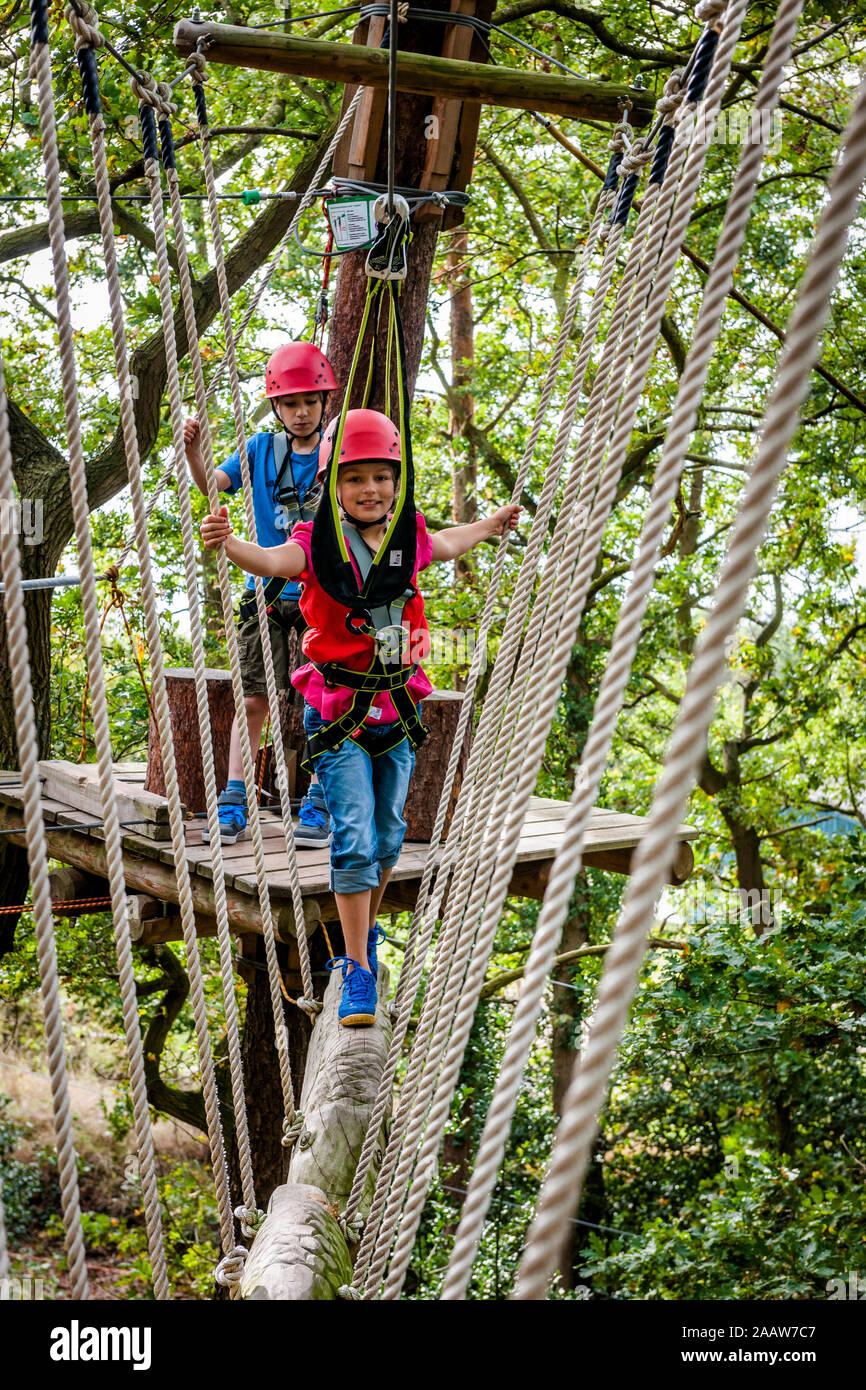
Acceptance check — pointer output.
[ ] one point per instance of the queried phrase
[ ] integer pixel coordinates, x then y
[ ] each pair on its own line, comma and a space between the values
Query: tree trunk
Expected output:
261, 1068
300, 1253
351, 291
462, 413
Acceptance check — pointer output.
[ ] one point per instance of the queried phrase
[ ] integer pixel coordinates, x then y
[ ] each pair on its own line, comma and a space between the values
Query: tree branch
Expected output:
24, 241
704, 268
508, 977
187, 1106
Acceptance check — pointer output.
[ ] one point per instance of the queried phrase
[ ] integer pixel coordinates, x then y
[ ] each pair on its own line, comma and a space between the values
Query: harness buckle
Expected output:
392, 645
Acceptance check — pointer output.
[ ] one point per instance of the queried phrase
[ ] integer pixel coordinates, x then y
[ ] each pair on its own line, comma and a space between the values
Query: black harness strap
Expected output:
366, 685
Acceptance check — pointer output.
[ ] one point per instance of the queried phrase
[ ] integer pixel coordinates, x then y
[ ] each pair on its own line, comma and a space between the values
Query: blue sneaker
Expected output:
233, 817
313, 828
374, 936
358, 1004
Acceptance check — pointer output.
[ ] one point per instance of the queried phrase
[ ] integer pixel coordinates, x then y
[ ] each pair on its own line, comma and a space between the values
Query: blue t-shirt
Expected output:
271, 518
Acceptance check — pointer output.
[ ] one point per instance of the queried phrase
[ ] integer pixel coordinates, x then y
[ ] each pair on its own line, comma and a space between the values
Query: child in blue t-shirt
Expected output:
283, 467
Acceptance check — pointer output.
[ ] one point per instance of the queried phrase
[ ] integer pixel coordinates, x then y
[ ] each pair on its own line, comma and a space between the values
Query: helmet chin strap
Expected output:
317, 429
360, 525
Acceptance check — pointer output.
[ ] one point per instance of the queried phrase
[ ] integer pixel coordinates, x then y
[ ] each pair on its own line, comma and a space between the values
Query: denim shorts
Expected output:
365, 798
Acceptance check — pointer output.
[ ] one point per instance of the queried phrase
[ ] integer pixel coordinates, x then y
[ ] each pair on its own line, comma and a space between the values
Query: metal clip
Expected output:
386, 259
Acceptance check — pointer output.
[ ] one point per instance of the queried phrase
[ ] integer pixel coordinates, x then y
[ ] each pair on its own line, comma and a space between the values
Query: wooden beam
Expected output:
300, 1253
71, 887
550, 93
150, 876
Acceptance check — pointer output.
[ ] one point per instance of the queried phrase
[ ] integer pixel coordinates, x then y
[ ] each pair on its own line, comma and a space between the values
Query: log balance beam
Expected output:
422, 73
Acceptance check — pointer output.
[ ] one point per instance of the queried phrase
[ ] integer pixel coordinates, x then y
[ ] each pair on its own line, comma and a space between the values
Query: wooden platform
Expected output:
149, 863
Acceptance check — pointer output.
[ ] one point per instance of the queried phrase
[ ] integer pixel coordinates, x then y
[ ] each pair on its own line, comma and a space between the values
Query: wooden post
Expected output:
180, 689
454, 125
427, 75
440, 714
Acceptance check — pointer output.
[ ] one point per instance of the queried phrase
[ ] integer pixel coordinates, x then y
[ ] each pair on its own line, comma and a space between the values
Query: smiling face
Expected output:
301, 413
366, 490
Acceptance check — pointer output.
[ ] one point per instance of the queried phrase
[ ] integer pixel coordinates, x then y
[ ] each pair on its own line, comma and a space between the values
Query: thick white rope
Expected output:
158, 691
147, 91
605, 202
196, 62
548, 929
576, 566
41, 68
307, 1000
509, 648
249, 1214
4, 1249
37, 858
413, 964
512, 643
653, 857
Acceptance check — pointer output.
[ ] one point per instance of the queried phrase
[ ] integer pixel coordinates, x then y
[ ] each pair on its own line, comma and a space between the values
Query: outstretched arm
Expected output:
192, 444
457, 540
287, 560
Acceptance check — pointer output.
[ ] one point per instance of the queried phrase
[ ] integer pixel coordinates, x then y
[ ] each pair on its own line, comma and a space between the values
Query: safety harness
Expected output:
386, 673
376, 608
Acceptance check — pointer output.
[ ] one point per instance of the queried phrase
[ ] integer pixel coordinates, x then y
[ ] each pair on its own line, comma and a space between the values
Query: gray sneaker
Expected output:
313, 827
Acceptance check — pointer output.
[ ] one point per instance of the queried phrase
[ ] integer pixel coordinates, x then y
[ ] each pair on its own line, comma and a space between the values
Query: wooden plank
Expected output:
423, 73
77, 785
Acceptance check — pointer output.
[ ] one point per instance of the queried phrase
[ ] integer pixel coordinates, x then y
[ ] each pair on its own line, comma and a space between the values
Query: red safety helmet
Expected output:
367, 434
298, 367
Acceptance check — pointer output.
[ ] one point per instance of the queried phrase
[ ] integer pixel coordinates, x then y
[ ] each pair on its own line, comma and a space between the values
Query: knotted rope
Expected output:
453, 951
416, 950
37, 858
151, 615
41, 68
568, 597
652, 860
547, 933
153, 94
307, 1001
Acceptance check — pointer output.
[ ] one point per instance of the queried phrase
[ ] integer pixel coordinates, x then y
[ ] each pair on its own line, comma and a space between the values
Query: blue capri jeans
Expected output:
365, 798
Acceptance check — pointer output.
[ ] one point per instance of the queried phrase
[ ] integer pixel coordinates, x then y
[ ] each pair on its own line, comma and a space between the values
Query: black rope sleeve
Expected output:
39, 21
89, 81
150, 148
611, 178
704, 54
166, 143
625, 199
662, 154
200, 104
